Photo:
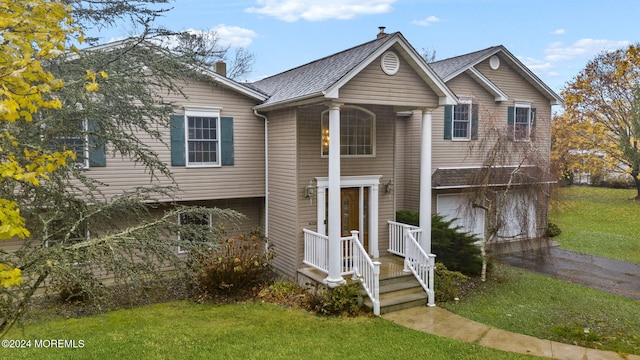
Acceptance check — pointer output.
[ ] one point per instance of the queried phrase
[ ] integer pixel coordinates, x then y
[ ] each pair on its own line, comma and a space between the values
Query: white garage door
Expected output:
519, 217
456, 206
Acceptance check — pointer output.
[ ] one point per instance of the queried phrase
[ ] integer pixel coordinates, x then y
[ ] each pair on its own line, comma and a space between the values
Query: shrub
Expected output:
77, 287
553, 230
284, 293
448, 283
344, 300
239, 263
408, 217
454, 248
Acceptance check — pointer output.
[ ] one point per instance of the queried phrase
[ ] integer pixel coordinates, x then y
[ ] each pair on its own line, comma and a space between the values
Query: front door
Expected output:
354, 203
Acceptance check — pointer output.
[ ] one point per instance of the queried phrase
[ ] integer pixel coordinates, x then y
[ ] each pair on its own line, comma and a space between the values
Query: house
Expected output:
496, 92
323, 155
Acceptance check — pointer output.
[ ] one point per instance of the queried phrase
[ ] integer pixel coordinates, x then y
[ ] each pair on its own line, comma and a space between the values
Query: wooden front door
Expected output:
353, 213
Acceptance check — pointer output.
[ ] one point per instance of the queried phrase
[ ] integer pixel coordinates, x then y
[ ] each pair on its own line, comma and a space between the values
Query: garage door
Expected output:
456, 207
518, 217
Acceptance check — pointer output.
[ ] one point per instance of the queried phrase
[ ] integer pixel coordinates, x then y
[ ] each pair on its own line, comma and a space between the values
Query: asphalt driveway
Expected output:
614, 276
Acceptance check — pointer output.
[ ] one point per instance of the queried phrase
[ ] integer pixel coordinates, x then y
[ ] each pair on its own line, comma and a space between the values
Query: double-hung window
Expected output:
60, 231
522, 122
77, 142
202, 137
189, 224
461, 122
357, 132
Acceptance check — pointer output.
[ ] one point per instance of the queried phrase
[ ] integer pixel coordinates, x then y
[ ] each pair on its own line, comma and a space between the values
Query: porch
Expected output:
403, 278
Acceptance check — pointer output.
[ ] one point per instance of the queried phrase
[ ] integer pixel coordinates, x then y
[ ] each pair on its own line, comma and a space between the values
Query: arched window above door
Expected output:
357, 132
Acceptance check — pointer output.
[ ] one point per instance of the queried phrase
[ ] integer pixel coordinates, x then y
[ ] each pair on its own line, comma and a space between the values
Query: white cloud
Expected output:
537, 66
234, 36
558, 31
313, 10
427, 21
581, 49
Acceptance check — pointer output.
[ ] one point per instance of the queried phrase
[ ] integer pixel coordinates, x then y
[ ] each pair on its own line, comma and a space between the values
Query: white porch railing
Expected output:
404, 240
366, 271
397, 234
354, 260
420, 263
316, 250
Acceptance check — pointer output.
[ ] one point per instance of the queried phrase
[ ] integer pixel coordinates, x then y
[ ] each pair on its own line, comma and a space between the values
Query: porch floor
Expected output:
390, 267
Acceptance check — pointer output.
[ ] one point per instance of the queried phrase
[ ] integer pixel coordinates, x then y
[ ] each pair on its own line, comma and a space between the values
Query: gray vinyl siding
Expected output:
409, 141
373, 86
244, 179
447, 153
283, 191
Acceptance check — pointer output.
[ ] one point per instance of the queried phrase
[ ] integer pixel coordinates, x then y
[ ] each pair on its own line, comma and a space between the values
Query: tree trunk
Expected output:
635, 173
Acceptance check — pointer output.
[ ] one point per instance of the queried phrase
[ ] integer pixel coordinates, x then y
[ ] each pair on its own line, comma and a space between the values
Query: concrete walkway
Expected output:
438, 321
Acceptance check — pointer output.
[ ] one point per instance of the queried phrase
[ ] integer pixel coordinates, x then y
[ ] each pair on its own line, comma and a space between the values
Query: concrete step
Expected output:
399, 293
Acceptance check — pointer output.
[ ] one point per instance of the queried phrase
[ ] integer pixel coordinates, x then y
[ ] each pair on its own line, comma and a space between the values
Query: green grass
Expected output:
523, 302
598, 221
185, 330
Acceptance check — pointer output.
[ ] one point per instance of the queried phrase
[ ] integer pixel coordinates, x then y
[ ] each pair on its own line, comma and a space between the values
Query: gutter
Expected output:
266, 172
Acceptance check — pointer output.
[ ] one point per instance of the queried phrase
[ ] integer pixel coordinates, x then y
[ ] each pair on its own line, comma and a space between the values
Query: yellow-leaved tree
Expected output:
32, 32
599, 132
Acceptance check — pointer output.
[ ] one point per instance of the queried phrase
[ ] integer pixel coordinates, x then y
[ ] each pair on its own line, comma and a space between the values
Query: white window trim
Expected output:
87, 236
180, 250
370, 181
373, 133
84, 162
462, 101
527, 105
213, 112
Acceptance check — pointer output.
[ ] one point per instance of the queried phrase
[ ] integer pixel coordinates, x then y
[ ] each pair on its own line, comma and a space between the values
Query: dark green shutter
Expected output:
177, 141
226, 141
533, 123
474, 121
511, 121
448, 121
97, 155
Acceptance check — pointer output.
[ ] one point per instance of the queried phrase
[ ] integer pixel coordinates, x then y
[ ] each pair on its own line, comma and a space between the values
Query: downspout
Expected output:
266, 172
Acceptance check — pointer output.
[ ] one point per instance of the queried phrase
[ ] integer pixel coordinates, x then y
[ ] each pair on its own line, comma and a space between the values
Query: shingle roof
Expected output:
317, 76
448, 68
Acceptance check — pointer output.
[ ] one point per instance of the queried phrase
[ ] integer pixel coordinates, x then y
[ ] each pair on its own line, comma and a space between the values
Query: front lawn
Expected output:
527, 303
186, 330
598, 221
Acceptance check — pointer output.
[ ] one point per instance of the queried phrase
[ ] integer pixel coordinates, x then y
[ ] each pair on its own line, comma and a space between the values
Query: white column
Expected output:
425, 181
321, 201
373, 221
334, 278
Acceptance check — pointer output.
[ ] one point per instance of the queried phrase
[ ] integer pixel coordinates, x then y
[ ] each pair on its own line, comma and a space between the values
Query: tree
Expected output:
429, 55
601, 122
33, 32
510, 187
56, 100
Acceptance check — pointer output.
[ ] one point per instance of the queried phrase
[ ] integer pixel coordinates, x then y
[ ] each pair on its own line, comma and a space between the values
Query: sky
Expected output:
554, 38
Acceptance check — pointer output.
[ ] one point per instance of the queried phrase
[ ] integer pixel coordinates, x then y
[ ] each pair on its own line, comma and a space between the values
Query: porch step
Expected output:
398, 293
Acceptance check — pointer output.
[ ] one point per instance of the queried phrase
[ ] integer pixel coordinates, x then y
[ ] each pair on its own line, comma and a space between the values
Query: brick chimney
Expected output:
220, 67
381, 34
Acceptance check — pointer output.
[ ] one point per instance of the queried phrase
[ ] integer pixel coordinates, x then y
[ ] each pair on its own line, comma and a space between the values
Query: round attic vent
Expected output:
494, 62
390, 63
